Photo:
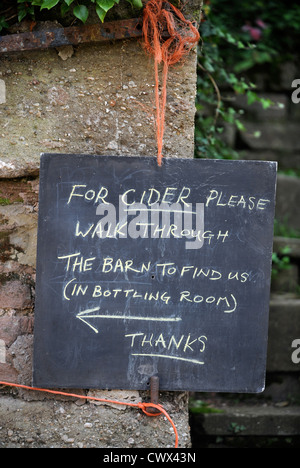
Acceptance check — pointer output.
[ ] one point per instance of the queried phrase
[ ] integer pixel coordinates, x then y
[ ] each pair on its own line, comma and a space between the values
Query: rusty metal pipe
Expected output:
154, 393
73, 35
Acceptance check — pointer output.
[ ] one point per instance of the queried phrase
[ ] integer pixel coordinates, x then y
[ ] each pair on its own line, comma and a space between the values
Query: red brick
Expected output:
12, 327
8, 373
15, 295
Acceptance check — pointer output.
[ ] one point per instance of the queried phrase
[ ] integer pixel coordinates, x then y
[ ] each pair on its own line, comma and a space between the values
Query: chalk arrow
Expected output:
92, 313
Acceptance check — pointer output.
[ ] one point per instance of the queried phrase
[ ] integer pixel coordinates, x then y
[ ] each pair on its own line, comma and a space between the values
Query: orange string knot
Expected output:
144, 406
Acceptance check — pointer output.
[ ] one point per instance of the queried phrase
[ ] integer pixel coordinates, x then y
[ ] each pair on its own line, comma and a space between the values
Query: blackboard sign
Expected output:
145, 270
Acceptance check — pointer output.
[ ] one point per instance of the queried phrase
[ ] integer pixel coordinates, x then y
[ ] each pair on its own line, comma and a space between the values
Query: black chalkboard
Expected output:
145, 270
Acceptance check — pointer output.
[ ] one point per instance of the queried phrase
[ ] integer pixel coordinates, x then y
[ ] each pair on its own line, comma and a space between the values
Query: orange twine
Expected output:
161, 18
142, 406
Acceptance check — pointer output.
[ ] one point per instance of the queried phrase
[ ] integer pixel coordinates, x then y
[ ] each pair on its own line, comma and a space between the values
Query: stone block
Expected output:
243, 420
284, 327
2, 352
13, 326
15, 359
130, 396
271, 136
8, 373
280, 243
278, 109
287, 201
2, 92
18, 229
286, 280
288, 72
60, 424
286, 160
15, 295
98, 101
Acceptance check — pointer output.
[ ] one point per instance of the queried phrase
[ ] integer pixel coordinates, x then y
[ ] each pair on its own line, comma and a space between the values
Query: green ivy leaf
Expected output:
81, 12
3, 23
68, 2
240, 126
105, 4
100, 12
136, 3
49, 4
64, 9
21, 15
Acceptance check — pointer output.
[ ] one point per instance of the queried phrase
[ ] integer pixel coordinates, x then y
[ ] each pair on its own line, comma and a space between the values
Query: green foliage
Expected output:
280, 261
199, 406
236, 38
235, 428
282, 229
78, 8
4, 201
270, 27
3, 23
212, 110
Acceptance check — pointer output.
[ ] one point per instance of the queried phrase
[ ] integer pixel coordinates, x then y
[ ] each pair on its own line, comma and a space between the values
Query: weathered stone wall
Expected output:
99, 101
95, 99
